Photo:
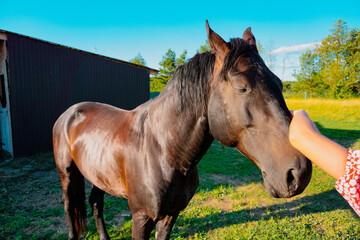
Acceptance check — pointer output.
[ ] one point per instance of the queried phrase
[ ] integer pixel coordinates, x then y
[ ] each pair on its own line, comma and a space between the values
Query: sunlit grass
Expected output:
336, 119
231, 201
343, 112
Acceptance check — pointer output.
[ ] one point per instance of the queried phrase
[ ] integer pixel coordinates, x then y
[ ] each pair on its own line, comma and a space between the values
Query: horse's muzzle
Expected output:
294, 183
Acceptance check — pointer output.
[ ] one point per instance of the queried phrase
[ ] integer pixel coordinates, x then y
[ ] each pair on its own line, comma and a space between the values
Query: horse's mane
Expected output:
192, 78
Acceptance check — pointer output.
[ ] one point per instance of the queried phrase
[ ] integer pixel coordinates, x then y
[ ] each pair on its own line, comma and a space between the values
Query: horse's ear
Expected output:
249, 37
217, 44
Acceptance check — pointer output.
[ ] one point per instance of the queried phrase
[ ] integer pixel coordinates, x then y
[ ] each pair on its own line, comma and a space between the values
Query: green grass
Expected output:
336, 119
231, 202
339, 110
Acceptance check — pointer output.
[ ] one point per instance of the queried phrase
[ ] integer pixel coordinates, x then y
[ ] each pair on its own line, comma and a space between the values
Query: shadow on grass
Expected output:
322, 202
339, 134
224, 165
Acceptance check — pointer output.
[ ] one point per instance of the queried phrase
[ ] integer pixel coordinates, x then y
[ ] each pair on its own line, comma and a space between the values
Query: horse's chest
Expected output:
177, 200
173, 196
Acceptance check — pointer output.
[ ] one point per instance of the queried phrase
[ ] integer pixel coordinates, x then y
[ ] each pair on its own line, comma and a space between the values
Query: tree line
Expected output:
331, 69
168, 64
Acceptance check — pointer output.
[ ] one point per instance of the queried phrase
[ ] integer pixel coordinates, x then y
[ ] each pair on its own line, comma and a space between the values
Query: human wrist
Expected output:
301, 137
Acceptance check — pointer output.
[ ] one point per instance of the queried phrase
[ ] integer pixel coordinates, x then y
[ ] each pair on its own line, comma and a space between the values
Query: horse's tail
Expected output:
76, 194
72, 180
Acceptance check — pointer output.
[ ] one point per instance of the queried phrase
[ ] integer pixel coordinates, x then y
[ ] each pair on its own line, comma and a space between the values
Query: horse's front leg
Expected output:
96, 201
142, 226
164, 226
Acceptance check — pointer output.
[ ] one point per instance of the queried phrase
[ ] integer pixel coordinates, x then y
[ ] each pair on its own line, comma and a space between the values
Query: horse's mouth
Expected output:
275, 193
285, 194
268, 186
272, 192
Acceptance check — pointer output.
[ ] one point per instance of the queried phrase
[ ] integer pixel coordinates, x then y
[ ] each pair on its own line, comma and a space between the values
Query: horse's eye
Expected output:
241, 90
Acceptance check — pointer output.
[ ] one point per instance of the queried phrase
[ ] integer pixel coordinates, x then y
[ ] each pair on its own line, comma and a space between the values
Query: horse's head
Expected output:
246, 110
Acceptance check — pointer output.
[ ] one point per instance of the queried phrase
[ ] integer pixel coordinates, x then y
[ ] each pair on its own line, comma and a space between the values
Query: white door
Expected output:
5, 121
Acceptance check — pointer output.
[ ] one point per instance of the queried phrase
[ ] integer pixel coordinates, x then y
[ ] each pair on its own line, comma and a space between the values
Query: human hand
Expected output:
302, 119
301, 126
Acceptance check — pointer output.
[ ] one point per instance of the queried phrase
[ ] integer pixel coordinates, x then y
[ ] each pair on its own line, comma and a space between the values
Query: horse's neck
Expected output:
183, 134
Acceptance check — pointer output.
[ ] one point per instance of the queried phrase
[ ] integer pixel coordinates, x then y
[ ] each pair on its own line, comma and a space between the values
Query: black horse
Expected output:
149, 155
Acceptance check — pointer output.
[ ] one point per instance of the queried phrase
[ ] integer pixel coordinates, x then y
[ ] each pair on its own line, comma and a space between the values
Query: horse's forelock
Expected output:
237, 47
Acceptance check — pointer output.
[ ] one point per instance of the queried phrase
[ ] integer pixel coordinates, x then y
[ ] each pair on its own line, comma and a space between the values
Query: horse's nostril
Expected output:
291, 180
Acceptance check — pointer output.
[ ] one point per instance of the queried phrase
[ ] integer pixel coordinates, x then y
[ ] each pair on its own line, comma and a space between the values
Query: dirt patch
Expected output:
31, 199
29, 187
224, 179
353, 144
225, 204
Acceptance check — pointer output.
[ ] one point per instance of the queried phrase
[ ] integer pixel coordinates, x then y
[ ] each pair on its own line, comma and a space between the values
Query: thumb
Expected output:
293, 112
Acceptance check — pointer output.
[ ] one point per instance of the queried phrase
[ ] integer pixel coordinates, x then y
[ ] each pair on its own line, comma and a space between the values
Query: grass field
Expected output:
231, 202
337, 119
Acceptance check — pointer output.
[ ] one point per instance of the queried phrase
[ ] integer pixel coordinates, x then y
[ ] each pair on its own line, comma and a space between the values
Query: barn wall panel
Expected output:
46, 79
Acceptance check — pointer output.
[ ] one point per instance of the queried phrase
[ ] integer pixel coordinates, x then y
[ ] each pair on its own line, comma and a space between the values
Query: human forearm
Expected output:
328, 155
305, 137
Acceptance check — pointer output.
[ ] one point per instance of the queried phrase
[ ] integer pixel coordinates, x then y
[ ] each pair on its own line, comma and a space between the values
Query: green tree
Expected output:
168, 66
259, 47
339, 60
309, 79
334, 65
139, 60
182, 59
204, 48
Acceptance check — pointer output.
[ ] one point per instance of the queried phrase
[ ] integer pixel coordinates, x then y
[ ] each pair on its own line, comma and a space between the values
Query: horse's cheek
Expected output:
219, 125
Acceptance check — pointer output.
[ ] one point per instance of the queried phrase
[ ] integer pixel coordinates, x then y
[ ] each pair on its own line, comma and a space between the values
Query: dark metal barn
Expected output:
39, 80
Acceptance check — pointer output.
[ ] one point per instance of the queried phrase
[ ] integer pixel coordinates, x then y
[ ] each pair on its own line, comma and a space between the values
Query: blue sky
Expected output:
122, 29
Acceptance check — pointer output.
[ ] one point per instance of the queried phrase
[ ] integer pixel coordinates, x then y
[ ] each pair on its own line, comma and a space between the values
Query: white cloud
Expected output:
285, 66
295, 48
289, 63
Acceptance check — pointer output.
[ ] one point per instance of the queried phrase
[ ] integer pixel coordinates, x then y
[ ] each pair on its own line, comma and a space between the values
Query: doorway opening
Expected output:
5, 118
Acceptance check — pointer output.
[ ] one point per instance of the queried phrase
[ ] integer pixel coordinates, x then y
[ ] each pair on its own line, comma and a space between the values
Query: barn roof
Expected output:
151, 70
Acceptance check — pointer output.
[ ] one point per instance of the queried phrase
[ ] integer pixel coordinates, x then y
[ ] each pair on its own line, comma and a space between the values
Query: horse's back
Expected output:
90, 133
79, 115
